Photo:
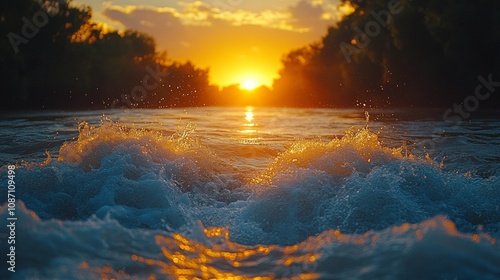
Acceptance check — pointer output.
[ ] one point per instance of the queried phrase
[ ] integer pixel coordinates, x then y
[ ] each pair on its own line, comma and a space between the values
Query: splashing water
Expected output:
319, 199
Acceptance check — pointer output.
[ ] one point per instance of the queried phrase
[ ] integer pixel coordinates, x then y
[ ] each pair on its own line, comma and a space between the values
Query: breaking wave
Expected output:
123, 202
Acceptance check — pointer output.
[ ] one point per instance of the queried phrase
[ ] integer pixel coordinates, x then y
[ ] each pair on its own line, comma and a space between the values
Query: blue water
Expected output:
252, 192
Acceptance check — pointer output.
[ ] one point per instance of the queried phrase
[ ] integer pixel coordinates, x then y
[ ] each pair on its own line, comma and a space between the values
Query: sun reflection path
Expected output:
250, 130
249, 116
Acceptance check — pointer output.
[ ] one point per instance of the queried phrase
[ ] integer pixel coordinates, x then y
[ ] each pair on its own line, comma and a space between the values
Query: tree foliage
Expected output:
71, 62
430, 53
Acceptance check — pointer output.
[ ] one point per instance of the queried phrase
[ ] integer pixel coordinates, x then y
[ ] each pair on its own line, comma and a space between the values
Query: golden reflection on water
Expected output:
223, 259
216, 257
249, 116
250, 128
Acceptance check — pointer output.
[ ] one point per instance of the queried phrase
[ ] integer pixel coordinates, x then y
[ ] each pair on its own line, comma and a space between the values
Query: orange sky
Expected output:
239, 40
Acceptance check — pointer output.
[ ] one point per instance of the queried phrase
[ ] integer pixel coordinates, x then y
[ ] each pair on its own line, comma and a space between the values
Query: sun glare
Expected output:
248, 85
249, 116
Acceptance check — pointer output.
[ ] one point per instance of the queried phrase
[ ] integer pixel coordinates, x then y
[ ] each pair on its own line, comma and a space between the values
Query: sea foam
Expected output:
124, 201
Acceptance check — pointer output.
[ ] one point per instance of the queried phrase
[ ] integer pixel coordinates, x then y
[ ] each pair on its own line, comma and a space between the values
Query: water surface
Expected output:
253, 192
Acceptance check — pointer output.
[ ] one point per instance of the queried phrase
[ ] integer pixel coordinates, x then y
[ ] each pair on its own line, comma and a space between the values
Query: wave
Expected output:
103, 248
118, 197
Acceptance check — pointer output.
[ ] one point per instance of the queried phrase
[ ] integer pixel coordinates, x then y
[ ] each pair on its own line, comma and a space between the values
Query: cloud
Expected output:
190, 23
299, 18
154, 22
226, 39
333, 10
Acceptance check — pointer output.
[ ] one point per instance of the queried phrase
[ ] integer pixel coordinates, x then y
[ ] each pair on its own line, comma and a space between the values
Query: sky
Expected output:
240, 41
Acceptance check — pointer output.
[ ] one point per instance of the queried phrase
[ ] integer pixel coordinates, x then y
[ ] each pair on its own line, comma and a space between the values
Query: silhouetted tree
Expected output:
57, 57
430, 53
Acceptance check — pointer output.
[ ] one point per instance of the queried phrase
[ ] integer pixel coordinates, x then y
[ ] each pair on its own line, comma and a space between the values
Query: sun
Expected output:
248, 84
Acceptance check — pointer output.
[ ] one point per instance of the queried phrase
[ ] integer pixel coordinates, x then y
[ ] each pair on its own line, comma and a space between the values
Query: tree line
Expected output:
55, 57
399, 53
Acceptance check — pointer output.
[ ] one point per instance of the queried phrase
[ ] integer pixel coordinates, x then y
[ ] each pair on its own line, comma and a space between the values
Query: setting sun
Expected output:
249, 84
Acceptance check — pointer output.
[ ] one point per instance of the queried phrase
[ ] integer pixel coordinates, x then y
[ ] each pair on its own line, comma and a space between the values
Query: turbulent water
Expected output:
252, 193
